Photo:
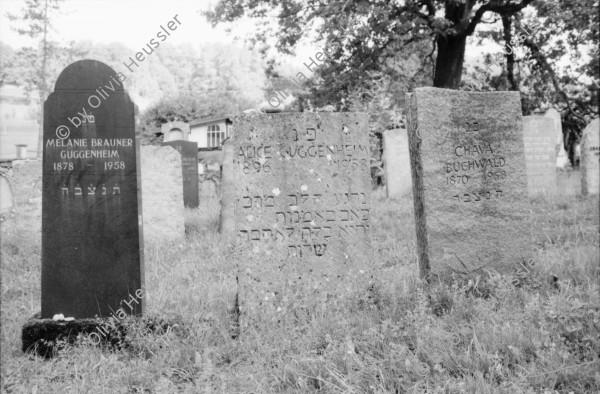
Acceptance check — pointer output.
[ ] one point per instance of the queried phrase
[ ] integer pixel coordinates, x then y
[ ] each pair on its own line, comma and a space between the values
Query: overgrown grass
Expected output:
474, 336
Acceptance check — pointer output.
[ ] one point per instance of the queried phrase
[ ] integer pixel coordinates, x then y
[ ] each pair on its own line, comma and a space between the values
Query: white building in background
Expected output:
19, 127
210, 133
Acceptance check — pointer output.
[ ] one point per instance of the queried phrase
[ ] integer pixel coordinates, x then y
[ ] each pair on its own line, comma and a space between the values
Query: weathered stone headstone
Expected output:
209, 191
469, 181
92, 263
189, 168
302, 209
590, 159
7, 195
562, 158
164, 212
227, 217
540, 155
27, 182
396, 162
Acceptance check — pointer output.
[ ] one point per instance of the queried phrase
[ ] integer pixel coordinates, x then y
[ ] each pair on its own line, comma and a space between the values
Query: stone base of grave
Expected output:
46, 337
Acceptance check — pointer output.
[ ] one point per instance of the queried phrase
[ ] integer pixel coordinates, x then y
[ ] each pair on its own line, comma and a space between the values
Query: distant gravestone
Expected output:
27, 182
302, 209
209, 192
396, 161
540, 155
562, 158
175, 131
7, 196
189, 168
469, 181
162, 188
91, 257
590, 159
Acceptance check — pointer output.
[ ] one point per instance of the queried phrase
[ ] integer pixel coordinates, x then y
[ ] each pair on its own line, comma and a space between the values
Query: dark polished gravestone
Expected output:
302, 211
469, 182
92, 263
189, 169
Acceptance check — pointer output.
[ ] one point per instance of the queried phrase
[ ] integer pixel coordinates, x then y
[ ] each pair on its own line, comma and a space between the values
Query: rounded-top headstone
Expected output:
87, 75
91, 257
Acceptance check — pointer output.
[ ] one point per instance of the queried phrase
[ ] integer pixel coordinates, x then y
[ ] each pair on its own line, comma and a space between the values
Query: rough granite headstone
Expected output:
162, 188
227, 217
92, 262
562, 158
469, 181
590, 158
189, 168
302, 209
396, 161
540, 155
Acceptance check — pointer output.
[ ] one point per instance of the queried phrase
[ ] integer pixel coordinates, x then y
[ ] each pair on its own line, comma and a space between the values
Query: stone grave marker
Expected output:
227, 217
174, 131
92, 263
162, 188
189, 168
302, 206
396, 161
27, 182
469, 181
562, 158
540, 155
590, 158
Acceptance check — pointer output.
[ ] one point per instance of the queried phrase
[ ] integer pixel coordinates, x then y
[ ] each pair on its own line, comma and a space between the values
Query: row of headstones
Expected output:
544, 156
21, 184
298, 188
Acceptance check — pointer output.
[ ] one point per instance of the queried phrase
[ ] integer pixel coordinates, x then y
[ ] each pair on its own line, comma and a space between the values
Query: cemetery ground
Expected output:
540, 335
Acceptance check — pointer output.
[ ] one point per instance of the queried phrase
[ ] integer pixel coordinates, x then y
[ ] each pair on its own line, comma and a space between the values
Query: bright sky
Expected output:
131, 22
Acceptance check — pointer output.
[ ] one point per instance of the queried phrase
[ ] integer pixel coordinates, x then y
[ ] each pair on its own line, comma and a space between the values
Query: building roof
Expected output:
199, 122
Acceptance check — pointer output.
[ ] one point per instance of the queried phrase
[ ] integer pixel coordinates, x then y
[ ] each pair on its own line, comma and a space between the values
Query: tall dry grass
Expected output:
472, 336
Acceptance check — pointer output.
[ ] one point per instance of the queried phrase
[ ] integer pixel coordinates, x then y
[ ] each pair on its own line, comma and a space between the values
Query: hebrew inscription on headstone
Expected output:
469, 182
91, 257
302, 208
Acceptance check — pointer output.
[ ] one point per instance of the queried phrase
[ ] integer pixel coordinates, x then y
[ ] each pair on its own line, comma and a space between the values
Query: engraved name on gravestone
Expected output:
539, 138
396, 160
590, 158
302, 208
469, 181
189, 168
91, 257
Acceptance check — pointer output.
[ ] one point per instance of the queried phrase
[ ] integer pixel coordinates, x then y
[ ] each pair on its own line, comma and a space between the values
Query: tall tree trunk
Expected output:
449, 61
509, 52
42, 87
